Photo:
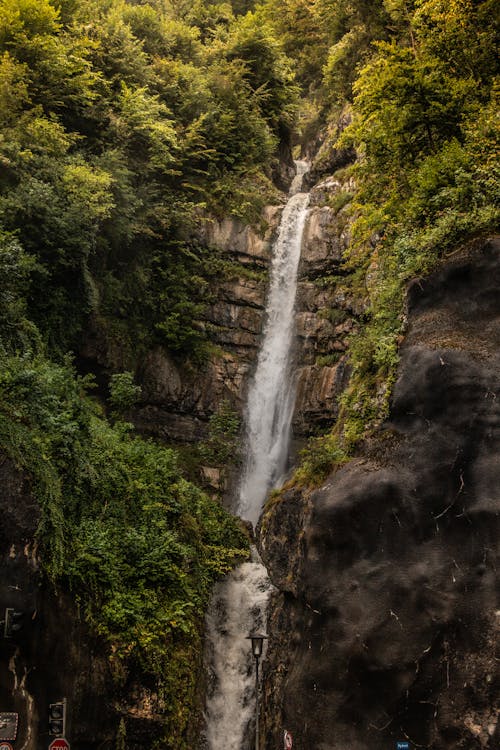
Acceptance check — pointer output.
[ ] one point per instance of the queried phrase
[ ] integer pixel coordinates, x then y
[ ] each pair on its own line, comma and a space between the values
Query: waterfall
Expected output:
238, 607
271, 398
239, 603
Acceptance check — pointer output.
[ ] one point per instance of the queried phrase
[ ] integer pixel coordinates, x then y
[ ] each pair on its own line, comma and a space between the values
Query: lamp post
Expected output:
257, 647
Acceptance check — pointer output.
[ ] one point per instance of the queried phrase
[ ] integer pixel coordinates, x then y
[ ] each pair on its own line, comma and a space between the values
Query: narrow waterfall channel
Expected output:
271, 397
239, 603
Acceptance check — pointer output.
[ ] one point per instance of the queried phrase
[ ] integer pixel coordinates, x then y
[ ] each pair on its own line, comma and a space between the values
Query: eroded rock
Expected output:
246, 243
177, 401
322, 244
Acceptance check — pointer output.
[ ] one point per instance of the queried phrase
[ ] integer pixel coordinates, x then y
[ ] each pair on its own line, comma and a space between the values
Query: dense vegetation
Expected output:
420, 82
121, 125
138, 546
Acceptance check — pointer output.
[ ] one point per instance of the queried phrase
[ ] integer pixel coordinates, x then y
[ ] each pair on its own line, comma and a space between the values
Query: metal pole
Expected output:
256, 703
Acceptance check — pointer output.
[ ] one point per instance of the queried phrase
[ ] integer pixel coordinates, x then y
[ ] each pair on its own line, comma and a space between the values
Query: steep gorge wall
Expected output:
55, 654
387, 618
178, 400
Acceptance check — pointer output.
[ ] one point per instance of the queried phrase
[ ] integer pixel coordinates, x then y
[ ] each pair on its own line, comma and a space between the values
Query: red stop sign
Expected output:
59, 744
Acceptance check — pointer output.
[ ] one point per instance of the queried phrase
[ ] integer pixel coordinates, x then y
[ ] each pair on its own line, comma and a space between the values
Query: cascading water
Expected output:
271, 397
238, 607
239, 603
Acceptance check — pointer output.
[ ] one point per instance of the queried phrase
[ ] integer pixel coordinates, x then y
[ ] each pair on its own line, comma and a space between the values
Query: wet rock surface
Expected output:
325, 319
388, 617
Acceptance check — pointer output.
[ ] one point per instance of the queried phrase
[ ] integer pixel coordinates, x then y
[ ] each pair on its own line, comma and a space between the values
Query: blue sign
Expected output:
403, 745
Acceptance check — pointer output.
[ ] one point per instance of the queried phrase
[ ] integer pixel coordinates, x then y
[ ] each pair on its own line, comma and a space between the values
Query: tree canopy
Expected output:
119, 123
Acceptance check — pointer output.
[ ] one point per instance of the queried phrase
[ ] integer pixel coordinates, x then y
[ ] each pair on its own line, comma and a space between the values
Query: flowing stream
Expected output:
271, 397
239, 603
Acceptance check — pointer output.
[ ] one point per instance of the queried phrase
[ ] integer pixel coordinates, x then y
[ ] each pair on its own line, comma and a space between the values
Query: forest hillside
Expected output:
126, 125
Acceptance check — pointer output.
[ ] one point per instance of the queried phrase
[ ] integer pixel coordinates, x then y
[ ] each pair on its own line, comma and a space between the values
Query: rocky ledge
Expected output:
386, 622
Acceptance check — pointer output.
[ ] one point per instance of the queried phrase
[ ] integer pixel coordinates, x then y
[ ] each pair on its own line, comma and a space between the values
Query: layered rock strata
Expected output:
325, 315
387, 618
177, 400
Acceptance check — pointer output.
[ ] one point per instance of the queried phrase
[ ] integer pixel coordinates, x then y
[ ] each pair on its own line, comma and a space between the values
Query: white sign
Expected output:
287, 740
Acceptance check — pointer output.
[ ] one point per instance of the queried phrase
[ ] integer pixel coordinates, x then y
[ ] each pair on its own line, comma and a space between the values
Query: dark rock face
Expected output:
386, 626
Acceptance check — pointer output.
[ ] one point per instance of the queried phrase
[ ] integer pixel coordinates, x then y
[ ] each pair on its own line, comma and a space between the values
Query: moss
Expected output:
328, 360
335, 315
340, 200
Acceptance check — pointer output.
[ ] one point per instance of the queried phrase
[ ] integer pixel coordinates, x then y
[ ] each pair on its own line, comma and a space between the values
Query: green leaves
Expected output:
221, 447
123, 393
138, 546
118, 122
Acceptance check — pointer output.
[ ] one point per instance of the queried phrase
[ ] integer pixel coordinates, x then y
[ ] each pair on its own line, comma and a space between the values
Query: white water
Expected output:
238, 607
271, 398
239, 603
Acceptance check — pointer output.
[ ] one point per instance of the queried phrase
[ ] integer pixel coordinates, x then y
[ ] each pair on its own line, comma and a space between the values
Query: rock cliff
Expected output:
178, 400
325, 317
386, 621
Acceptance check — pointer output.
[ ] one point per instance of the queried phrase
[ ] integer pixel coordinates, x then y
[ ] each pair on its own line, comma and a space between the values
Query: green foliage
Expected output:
119, 124
318, 458
16, 332
304, 36
340, 200
123, 393
138, 545
327, 360
222, 446
267, 70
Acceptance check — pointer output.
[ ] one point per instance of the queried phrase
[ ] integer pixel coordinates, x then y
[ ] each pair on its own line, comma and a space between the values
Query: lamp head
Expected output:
257, 643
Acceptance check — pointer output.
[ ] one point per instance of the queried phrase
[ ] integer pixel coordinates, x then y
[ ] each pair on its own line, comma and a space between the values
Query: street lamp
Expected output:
257, 647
